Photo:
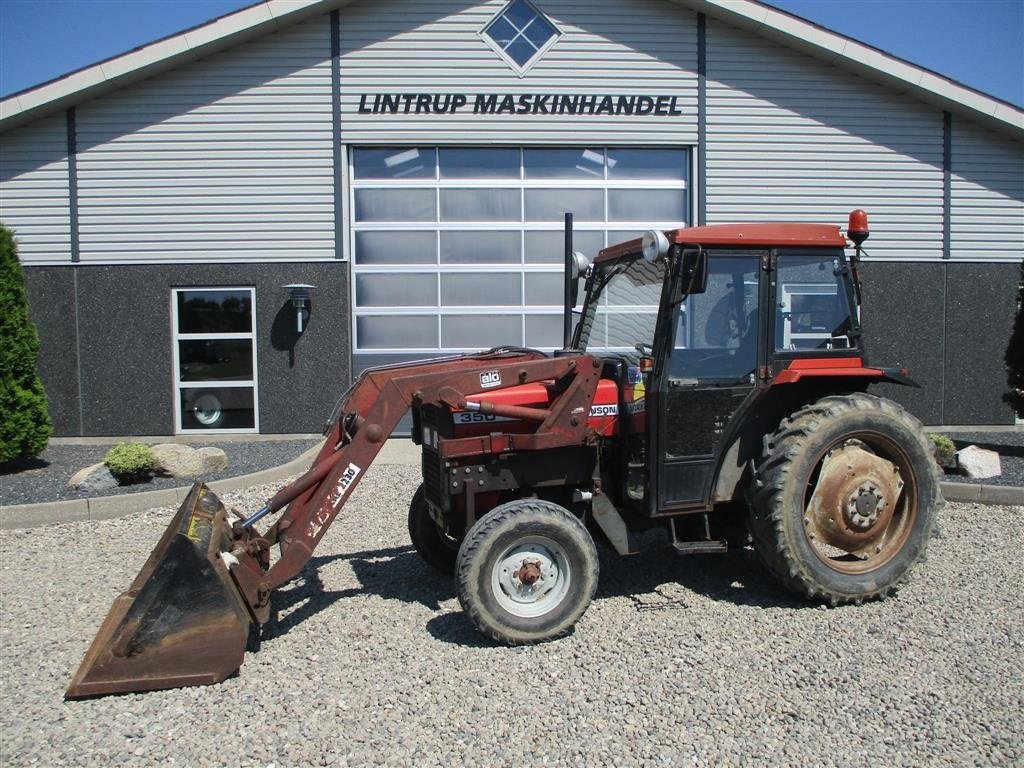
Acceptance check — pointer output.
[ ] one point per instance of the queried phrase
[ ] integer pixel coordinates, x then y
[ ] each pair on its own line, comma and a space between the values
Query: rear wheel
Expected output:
845, 500
526, 572
436, 548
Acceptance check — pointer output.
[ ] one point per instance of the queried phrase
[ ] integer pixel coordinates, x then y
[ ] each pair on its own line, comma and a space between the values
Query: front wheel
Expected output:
846, 496
526, 572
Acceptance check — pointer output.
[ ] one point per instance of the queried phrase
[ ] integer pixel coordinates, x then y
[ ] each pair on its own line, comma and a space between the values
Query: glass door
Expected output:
214, 360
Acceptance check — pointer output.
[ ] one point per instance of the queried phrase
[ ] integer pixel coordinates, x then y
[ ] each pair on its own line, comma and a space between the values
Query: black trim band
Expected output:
72, 131
702, 119
947, 182
339, 249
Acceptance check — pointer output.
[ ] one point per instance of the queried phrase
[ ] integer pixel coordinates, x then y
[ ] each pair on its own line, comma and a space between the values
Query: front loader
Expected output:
715, 387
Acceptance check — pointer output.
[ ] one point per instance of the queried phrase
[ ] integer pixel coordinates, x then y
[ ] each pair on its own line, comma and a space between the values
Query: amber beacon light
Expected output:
857, 229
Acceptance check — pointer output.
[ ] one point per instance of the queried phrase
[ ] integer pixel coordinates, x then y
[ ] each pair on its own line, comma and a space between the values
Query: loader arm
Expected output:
373, 409
186, 617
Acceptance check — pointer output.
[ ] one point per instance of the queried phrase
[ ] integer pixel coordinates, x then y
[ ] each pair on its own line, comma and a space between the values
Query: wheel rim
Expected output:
531, 578
207, 409
861, 503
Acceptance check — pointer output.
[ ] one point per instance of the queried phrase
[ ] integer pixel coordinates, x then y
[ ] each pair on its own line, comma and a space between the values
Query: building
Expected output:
412, 160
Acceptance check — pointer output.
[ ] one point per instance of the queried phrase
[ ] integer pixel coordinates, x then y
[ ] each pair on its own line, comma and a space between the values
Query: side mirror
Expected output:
694, 270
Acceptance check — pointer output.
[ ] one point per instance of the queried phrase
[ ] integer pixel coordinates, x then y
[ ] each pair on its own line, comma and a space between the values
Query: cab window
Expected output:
716, 335
812, 310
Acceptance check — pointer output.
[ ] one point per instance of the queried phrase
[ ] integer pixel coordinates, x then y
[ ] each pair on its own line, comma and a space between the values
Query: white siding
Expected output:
645, 47
225, 159
987, 214
34, 190
793, 138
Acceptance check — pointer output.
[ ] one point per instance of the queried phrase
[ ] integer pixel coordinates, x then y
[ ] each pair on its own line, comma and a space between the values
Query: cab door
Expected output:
708, 370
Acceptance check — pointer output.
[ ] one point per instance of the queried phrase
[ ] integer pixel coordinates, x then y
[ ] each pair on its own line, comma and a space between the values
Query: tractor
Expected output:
714, 385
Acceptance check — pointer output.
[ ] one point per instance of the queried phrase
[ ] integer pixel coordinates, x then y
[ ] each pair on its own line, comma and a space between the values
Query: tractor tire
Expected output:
436, 548
526, 572
844, 499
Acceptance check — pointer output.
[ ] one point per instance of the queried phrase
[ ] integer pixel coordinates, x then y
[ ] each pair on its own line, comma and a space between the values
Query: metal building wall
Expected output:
607, 47
34, 190
233, 158
987, 194
790, 137
228, 159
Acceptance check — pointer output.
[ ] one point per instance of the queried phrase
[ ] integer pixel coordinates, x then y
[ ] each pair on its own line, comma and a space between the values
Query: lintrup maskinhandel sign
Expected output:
516, 104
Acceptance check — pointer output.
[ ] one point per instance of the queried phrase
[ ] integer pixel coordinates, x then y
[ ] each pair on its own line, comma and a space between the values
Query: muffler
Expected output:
182, 621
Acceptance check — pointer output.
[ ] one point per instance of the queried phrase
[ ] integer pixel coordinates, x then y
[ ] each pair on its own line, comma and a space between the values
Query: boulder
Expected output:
176, 460
978, 462
95, 477
214, 459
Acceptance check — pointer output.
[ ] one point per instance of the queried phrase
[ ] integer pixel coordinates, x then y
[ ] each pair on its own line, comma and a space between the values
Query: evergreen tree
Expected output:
1014, 355
24, 415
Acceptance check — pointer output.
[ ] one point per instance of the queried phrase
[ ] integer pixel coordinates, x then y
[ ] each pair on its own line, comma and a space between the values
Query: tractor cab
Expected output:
696, 325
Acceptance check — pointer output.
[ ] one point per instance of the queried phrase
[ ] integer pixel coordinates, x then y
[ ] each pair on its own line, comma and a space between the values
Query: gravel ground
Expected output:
1009, 446
46, 479
678, 662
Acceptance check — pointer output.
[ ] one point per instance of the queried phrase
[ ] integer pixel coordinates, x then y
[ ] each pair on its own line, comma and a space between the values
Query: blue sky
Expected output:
977, 42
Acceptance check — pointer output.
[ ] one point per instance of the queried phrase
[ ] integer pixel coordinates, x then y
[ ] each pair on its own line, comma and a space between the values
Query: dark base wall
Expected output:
949, 324
105, 353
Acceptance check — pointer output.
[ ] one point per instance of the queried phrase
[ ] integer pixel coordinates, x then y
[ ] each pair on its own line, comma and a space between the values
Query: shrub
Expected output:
129, 462
24, 413
943, 450
1014, 355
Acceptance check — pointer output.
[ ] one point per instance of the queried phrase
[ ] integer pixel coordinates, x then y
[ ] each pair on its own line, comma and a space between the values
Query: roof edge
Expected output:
858, 57
155, 57
765, 20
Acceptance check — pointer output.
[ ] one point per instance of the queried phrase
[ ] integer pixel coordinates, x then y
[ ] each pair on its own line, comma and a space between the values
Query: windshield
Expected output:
621, 309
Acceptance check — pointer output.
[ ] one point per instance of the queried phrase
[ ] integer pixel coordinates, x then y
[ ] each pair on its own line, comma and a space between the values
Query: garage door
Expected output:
461, 248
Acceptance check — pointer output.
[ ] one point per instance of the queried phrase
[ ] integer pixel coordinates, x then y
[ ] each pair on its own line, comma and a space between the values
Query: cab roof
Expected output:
740, 236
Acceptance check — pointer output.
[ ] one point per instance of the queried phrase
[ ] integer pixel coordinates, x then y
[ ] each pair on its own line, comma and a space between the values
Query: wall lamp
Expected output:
299, 294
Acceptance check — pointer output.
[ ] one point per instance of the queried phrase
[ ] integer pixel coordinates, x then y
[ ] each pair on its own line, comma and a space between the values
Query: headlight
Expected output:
654, 245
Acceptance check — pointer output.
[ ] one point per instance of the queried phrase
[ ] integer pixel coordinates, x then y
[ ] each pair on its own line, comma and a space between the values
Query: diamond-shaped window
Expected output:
520, 33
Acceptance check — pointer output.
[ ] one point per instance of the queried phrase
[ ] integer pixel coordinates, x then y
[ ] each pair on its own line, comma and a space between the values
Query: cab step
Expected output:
699, 547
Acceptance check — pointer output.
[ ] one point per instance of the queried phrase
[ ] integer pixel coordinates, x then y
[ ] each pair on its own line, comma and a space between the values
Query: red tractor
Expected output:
715, 385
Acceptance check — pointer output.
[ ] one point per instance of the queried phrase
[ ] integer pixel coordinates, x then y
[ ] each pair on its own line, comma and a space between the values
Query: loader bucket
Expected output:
181, 622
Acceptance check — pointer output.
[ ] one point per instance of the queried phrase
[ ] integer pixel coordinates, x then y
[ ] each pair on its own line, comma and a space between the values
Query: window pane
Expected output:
396, 247
563, 163
545, 289
481, 331
521, 51
813, 312
647, 205
538, 33
616, 237
502, 32
552, 204
393, 163
397, 332
544, 330
549, 247
519, 13
405, 290
395, 205
484, 247
480, 205
481, 290
215, 360
217, 408
213, 311
479, 163
648, 164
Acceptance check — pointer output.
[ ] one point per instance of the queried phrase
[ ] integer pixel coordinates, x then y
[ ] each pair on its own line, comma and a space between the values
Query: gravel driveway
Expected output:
678, 662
